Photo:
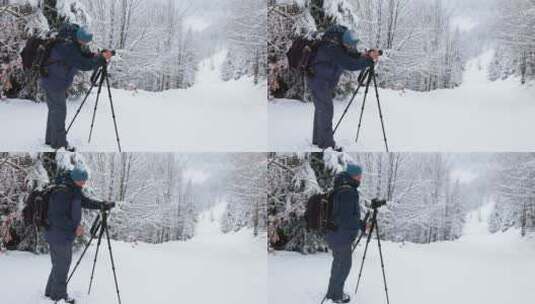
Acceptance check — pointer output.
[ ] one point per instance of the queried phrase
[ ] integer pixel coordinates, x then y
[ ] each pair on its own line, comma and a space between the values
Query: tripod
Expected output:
367, 76
374, 226
97, 78
100, 226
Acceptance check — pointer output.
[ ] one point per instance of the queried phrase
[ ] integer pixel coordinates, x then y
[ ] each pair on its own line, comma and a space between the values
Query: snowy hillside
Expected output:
211, 268
213, 115
480, 115
478, 268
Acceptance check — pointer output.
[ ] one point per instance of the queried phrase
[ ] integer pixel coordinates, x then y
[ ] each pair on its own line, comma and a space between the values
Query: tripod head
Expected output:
374, 205
377, 203
100, 220
101, 70
99, 74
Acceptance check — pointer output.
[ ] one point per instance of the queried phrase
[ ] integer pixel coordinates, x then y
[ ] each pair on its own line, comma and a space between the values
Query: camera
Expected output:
106, 206
377, 203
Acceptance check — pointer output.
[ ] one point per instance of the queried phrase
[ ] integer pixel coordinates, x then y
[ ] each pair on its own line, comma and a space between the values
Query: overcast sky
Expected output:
467, 14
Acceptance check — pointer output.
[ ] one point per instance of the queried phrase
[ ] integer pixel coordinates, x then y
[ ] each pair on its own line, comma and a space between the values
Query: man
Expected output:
346, 219
66, 59
64, 216
332, 58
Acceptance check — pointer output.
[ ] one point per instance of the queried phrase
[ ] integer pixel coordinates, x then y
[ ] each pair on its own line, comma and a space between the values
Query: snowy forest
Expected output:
158, 43
429, 194
427, 43
159, 195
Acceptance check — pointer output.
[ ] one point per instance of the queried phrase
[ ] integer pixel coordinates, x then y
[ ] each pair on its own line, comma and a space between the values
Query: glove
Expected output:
107, 205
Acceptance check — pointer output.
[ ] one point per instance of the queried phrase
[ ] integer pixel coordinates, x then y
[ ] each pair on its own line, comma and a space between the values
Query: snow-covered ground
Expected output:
478, 268
213, 115
480, 115
211, 268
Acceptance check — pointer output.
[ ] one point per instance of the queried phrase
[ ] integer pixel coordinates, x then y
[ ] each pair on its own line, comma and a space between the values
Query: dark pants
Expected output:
340, 269
57, 112
56, 287
322, 95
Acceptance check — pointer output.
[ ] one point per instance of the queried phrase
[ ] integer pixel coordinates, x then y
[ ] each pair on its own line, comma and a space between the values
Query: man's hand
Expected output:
374, 55
368, 228
107, 55
79, 230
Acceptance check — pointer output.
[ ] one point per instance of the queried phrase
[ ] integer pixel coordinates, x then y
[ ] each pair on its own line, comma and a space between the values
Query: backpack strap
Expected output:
56, 188
343, 187
52, 44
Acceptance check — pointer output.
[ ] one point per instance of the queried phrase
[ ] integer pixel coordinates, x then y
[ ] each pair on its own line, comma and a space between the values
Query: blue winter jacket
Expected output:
66, 59
345, 212
332, 59
65, 212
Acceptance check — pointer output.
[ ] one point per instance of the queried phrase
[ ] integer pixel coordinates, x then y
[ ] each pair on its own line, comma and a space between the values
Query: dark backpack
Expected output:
318, 212
35, 210
303, 50
36, 52
301, 53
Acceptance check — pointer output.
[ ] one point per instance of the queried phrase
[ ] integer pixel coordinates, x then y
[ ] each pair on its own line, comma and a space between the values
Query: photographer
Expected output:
346, 219
65, 60
332, 58
64, 216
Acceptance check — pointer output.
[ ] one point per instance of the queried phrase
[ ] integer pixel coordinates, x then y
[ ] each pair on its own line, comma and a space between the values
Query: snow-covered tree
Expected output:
514, 31
424, 203
514, 188
157, 47
423, 48
246, 34
246, 189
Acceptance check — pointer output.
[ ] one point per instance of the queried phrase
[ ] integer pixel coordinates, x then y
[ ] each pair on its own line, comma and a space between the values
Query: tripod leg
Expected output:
357, 242
380, 111
113, 265
102, 227
113, 114
382, 262
350, 101
96, 105
80, 107
370, 73
365, 221
364, 255
80, 258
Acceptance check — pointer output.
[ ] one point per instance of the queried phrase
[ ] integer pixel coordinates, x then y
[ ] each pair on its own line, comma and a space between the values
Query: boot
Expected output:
67, 148
345, 299
67, 300
334, 147
70, 148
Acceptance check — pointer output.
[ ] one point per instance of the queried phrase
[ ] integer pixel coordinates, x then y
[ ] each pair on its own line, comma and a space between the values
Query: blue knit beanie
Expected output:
350, 38
353, 170
83, 35
79, 174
